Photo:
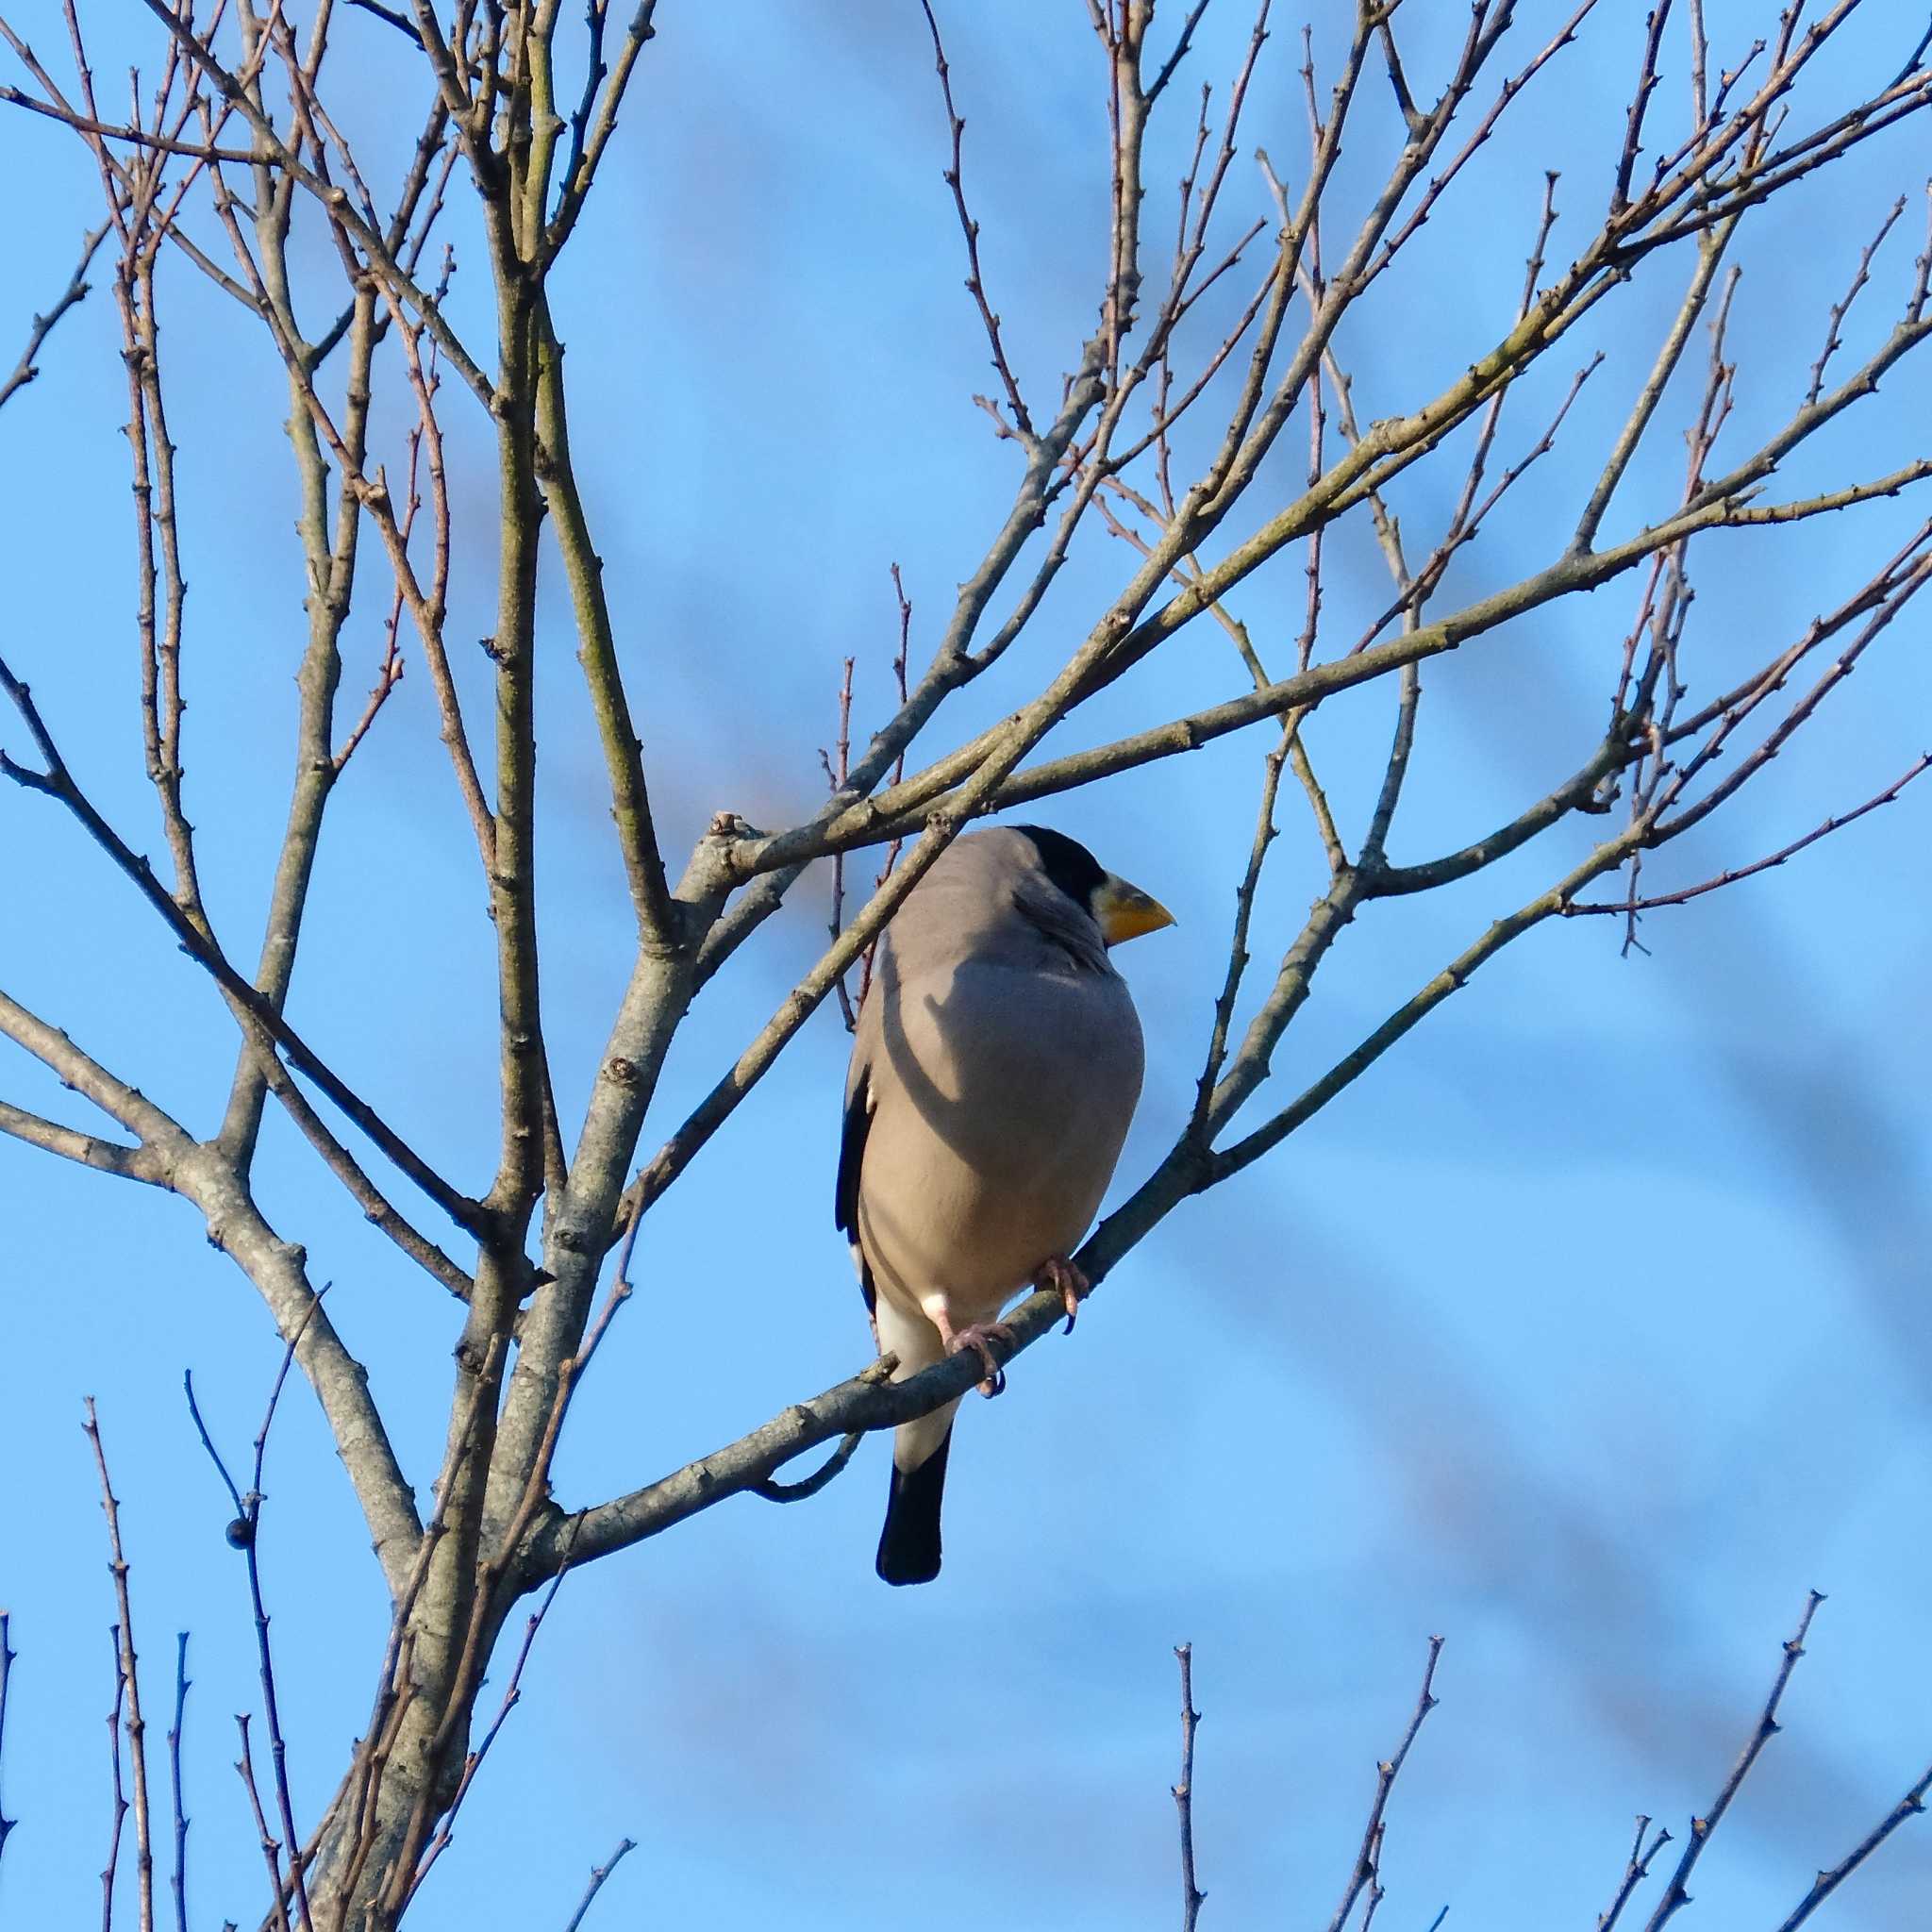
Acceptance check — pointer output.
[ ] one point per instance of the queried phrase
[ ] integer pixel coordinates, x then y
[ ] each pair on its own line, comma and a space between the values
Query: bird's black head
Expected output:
1067, 863
1120, 911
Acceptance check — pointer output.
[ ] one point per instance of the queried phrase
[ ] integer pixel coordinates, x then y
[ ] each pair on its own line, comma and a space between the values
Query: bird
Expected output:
997, 1063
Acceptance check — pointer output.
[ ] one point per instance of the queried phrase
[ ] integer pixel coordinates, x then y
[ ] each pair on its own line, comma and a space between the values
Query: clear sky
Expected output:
1589, 1331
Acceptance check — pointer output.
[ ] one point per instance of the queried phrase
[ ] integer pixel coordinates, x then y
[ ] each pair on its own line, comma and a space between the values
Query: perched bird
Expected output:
995, 1068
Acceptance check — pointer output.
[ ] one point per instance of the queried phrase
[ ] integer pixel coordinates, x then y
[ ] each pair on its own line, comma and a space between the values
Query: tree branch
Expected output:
1368, 1861
336, 200
41, 326
127, 1106
1676, 1897
1192, 1898
105, 1157
128, 1673
597, 652
252, 1009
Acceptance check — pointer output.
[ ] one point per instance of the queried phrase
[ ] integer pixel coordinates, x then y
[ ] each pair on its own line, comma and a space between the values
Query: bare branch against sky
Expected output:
404, 207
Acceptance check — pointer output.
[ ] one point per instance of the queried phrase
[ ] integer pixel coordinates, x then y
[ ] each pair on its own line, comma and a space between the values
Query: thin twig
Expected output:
1636, 1869
1911, 1806
1639, 103
1192, 1895
178, 1877
1731, 875
976, 279
1367, 1859
390, 17
390, 673
58, 782
585, 159
1676, 1897
893, 846
107, 130
598, 1874
8, 1654
836, 772
271, 1851
774, 1492
243, 1533
41, 326
1833, 337
472, 1762
119, 1810
128, 1665
1238, 955
271, 1703
395, 1689
1180, 51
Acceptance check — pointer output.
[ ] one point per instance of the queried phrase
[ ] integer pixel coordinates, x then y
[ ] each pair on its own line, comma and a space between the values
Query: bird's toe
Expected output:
1062, 1277
979, 1339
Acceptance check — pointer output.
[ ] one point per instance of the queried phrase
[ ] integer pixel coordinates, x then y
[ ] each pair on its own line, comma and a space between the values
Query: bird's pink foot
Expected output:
1059, 1275
979, 1337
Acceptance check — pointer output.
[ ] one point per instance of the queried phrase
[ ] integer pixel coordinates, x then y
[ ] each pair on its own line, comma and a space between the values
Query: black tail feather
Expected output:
910, 1543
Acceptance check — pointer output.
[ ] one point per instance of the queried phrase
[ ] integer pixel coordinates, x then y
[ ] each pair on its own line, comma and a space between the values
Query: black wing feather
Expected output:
845, 1194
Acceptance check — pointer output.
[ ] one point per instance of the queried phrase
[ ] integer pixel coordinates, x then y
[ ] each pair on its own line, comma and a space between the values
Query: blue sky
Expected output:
1589, 1331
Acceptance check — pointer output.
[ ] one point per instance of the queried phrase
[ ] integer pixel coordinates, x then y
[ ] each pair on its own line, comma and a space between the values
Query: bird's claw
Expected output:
1062, 1277
978, 1339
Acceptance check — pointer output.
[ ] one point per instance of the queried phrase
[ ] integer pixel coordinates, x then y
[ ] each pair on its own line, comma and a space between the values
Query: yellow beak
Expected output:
1125, 912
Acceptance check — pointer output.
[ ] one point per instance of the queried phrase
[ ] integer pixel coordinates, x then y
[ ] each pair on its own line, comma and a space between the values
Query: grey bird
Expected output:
994, 1072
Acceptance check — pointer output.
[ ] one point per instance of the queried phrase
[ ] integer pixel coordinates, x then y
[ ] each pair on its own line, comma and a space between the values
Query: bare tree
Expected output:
1165, 441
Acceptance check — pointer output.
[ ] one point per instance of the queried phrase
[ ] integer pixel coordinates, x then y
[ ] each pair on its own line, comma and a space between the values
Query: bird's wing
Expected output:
860, 1104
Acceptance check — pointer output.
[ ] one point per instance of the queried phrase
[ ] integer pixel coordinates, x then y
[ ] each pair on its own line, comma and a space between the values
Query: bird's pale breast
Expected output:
1009, 1094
